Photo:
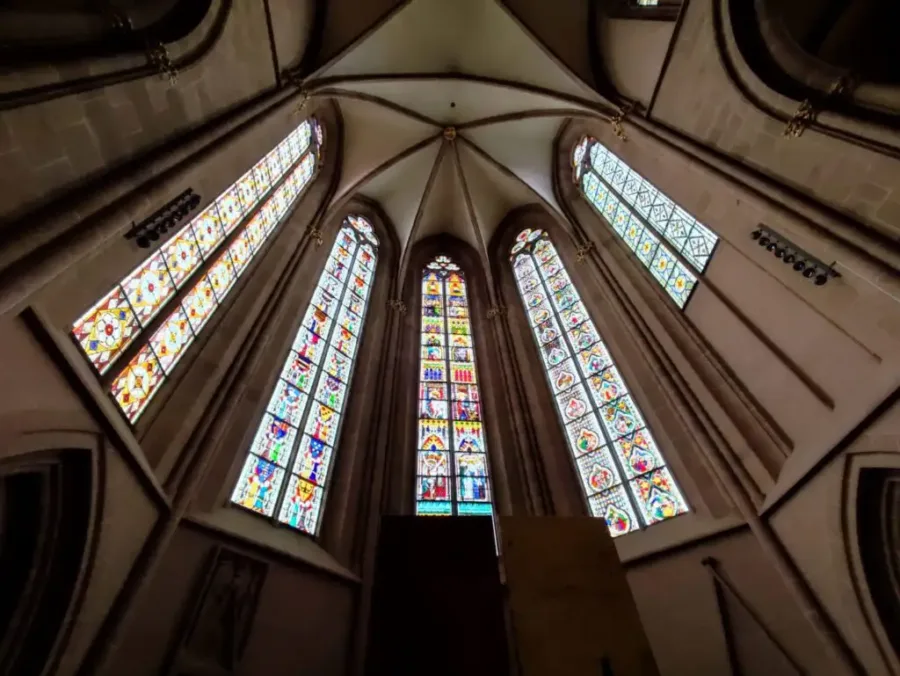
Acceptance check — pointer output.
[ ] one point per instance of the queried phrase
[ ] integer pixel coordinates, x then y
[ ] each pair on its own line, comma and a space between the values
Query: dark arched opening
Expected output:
54, 31
878, 522
45, 515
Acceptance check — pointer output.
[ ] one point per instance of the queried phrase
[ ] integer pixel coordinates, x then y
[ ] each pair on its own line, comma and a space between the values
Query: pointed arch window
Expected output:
622, 471
673, 245
191, 274
288, 465
452, 475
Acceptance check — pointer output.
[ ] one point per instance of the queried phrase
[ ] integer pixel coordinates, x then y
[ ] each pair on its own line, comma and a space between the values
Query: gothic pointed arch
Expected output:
289, 462
470, 449
573, 485
343, 371
621, 467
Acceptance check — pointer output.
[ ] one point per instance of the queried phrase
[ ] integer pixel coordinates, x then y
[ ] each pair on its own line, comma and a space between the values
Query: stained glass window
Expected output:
294, 444
451, 467
622, 471
107, 329
673, 245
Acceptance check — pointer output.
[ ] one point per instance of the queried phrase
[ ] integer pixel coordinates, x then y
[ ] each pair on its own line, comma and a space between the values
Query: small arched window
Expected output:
289, 462
190, 275
622, 471
452, 464
673, 245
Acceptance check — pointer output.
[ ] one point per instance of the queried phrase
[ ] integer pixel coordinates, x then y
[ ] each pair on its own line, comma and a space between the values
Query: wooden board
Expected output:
571, 607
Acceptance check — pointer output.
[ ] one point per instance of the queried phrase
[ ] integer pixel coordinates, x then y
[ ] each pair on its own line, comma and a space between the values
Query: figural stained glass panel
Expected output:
673, 245
107, 329
452, 474
622, 471
301, 425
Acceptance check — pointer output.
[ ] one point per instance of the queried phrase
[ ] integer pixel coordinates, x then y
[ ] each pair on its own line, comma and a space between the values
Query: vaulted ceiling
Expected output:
469, 65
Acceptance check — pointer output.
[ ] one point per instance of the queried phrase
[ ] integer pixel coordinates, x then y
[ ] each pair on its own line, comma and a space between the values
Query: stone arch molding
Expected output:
171, 43
863, 113
54, 479
870, 510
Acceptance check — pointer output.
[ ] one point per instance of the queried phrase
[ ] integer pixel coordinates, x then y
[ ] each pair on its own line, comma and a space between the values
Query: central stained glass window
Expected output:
623, 473
452, 465
289, 462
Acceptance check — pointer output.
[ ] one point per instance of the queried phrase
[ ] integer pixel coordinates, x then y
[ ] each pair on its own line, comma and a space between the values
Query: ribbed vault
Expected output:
450, 113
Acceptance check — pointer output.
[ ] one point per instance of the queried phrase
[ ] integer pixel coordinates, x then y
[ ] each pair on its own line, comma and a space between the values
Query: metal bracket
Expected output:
806, 114
801, 120
582, 252
496, 311
158, 57
617, 120
397, 305
316, 234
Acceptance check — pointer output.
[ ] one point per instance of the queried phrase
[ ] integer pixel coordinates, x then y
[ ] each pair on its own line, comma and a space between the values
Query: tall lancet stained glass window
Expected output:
452, 466
289, 462
673, 245
622, 471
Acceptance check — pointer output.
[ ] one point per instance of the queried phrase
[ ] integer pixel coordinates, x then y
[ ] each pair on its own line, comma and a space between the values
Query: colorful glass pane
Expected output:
344, 341
182, 255
258, 486
433, 408
246, 187
433, 488
473, 488
299, 372
598, 471
658, 496
616, 508
309, 346
135, 386
230, 209
585, 435
208, 230
274, 439
638, 452
434, 463
433, 391
465, 393
313, 458
331, 392
301, 506
322, 423
106, 329
338, 365
241, 251
316, 321
171, 340
287, 403
148, 288
222, 276
199, 304
434, 435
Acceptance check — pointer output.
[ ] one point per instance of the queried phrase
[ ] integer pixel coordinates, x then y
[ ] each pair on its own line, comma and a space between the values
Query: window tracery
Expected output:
621, 469
254, 205
452, 475
288, 464
673, 245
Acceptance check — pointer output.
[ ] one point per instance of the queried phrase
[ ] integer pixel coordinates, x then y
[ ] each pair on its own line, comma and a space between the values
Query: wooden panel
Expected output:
572, 610
437, 604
